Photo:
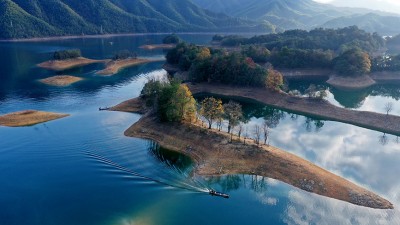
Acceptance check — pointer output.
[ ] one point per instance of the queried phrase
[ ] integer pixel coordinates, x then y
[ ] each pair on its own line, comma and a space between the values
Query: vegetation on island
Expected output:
337, 40
67, 54
172, 39
220, 66
124, 54
352, 62
172, 101
348, 51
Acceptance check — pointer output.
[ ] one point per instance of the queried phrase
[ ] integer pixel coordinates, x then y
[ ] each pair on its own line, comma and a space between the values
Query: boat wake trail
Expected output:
115, 165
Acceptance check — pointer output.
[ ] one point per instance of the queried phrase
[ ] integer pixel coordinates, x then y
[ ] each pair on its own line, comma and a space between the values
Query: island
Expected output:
121, 60
28, 118
68, 59
158, 46
60, 80
168, 42
114, 66
217, 153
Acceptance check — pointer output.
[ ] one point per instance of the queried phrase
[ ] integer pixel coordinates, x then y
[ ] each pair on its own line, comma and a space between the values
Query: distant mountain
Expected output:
38, 18
300, 14
384, 25
287, 14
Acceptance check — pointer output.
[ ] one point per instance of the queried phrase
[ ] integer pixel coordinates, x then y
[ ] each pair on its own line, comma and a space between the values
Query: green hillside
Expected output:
304, 14
385, 25
37, 18
286, 14
10, 13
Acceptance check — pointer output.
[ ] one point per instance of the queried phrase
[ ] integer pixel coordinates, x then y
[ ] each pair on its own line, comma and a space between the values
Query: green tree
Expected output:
67, 54
353, 62
151, 92
211, 109
233, 113
172, 39
172, 101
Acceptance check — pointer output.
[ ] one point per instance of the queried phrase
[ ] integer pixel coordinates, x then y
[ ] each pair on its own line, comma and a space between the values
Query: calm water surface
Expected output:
80, 170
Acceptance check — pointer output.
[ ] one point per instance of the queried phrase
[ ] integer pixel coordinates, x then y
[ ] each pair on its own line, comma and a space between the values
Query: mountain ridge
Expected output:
303, 14
43, 18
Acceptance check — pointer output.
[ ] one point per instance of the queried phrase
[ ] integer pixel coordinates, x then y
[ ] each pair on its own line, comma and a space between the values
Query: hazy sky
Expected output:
383, 5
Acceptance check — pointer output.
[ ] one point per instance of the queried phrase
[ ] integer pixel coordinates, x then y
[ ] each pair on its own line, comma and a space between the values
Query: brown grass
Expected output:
215, 155
135, 105
159, 46
114, 66
59, 65
28, 118
62, 80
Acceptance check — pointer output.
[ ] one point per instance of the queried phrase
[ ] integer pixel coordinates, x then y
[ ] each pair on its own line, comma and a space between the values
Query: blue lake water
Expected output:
80, 170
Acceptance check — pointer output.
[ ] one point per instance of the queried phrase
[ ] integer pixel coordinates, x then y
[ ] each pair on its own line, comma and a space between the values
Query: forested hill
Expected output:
371, 22
38, 18
304, 14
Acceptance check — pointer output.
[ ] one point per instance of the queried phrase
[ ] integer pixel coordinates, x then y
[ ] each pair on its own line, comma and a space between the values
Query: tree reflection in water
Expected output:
229, 183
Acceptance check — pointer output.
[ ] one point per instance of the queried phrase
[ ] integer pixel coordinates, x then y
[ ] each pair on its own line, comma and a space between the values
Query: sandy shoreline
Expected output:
28, 118
158, 46
60, 65
113, 67
358, 82
61, 80
215, 155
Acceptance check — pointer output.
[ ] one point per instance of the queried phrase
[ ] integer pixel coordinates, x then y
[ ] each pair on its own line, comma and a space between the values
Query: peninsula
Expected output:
28, 118
214, 154
113, 67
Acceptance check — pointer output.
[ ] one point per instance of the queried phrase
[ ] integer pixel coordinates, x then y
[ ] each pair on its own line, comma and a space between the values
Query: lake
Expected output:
82, 170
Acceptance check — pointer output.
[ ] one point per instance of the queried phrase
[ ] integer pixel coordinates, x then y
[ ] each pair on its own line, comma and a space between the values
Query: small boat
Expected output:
105, 108
218, 194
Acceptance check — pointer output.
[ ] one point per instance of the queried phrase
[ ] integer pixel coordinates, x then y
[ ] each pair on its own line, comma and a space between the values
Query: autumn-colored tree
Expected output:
171, 101
203, 54
211, 109
274, 80
185, 103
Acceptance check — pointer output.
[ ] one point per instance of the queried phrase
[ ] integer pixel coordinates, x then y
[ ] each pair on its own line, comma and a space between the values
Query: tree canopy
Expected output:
173, 101
233, 113
172, 39
67, 54
353, 62
211, 109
